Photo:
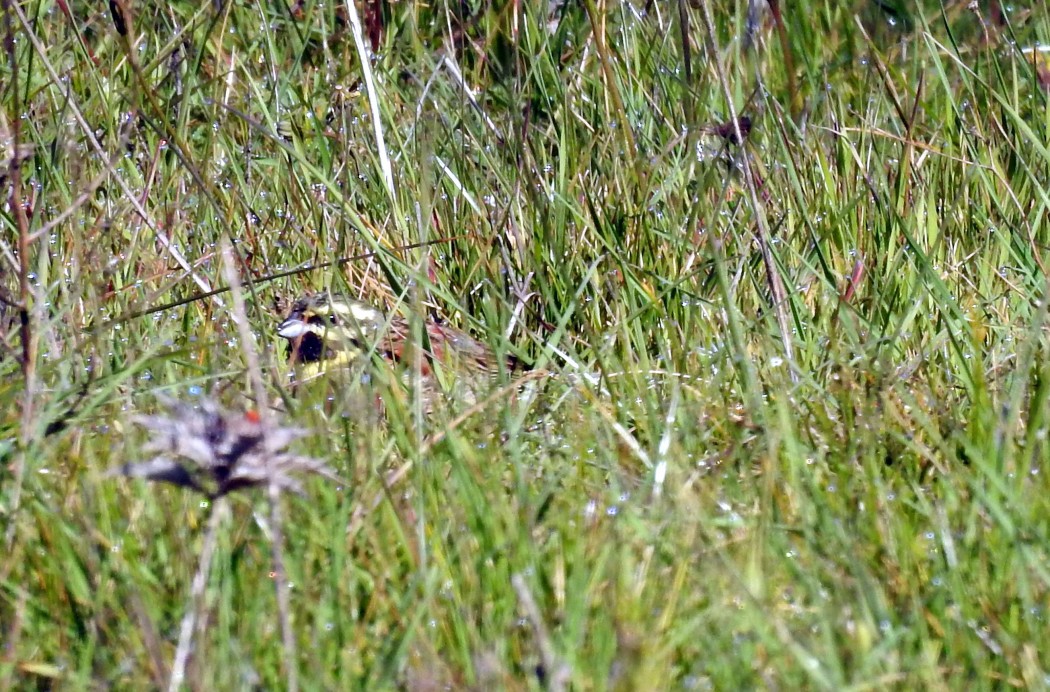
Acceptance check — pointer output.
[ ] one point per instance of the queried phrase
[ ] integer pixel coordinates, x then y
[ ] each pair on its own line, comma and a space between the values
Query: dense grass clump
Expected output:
778, 272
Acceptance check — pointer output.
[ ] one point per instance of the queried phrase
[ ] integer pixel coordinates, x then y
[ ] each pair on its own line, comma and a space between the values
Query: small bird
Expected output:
728, 131
329, 330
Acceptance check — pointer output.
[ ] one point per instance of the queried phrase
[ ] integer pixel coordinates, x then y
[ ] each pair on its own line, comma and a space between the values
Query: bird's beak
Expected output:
291, 328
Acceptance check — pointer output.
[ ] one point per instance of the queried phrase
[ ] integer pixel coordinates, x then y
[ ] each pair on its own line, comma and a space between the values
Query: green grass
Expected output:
712, 489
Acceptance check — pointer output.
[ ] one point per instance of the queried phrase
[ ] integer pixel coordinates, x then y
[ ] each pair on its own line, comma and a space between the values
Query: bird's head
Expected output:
330, 327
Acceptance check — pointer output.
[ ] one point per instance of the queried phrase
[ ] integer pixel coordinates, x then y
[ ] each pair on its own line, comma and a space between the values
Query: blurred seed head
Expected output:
215, 451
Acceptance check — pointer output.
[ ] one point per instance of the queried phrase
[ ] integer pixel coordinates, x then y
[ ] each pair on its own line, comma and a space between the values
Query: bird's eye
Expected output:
332, 319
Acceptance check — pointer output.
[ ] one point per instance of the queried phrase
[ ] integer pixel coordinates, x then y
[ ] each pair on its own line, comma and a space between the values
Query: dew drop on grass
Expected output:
590, 509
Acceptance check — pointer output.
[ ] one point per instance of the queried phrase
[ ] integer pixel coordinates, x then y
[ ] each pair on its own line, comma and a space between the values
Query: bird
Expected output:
329, 330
